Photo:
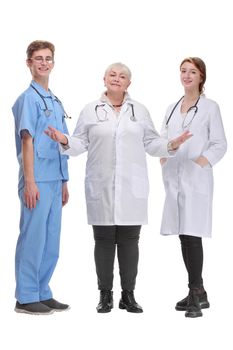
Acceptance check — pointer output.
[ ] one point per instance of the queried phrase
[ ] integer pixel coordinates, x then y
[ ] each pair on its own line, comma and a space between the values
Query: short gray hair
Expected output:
119, 65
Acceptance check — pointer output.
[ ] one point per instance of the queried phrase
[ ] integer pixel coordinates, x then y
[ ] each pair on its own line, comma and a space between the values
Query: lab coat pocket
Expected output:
196, 178
140, 183
93, 189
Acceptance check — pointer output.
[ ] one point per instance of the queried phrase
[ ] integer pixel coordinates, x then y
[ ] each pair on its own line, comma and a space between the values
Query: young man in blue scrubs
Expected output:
43, 176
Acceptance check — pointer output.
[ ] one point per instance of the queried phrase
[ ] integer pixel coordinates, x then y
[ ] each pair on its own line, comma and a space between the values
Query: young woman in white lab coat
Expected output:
116, 131
188, 177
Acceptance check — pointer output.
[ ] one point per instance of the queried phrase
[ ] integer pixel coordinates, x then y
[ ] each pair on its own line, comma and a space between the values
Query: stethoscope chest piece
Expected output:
47, 113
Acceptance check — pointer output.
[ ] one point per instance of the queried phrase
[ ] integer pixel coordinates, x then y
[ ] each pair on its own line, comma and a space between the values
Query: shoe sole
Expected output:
124, 307
193, 314
21, 311
104, 312
60, 310
203, 305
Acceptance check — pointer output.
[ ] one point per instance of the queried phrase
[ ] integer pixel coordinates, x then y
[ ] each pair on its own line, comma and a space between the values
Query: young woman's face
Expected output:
116, 80
190, 76
41, 63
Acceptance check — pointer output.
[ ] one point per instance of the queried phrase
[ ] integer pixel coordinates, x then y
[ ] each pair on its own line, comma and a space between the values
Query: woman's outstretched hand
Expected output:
175, 144
56, 135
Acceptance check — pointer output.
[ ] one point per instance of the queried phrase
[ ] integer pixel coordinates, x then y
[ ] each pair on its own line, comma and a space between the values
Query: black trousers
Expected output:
125, 239
192, 252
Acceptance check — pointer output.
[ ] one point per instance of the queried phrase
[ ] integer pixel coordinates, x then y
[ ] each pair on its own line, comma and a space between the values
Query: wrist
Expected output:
170, 146
64, 142
29, 181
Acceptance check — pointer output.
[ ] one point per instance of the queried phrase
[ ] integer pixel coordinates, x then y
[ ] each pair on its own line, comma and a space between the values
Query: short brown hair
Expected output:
200, 65
38, 45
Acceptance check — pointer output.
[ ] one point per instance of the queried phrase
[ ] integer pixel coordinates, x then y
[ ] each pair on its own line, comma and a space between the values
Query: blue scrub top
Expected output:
29, 113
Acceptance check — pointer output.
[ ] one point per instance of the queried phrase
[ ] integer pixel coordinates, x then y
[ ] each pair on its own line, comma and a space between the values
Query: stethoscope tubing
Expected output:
47, 111
132, 117
190, 108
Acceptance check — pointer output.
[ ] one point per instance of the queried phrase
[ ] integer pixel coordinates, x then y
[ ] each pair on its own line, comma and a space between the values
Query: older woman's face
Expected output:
116, 80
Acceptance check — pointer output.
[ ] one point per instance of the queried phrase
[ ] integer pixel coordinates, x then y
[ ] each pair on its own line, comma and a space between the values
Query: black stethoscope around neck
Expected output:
192, 108
47, 111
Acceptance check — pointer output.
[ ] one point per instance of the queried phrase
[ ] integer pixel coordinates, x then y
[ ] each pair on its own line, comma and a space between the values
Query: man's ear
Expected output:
28, 61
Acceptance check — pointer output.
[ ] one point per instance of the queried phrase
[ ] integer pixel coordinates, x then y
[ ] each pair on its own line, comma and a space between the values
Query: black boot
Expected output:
203, 301
106, 301
193, 305
128, 302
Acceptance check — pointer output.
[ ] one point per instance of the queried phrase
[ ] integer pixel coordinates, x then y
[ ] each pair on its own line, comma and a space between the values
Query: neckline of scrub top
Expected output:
42, 91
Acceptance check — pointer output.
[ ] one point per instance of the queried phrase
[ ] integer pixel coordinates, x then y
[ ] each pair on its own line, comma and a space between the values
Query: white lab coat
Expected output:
116, 183
188, 186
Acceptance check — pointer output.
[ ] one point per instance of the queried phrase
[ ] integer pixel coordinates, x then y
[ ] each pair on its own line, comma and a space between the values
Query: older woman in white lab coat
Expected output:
188, 177
116, 131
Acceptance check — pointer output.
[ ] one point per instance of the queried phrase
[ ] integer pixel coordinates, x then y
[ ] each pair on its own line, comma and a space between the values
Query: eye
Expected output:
37, 58
49, 59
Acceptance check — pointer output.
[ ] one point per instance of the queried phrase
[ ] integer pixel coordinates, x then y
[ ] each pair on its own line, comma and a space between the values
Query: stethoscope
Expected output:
192, 108
47, 111
104, 118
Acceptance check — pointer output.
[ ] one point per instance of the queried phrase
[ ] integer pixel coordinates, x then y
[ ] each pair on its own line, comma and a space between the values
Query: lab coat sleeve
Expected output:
78, 142
217, 139
154, 144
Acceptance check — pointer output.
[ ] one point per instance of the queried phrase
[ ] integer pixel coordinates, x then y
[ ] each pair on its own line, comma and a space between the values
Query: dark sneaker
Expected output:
203, 301
55, 305
106, 301
129, 303
36, 308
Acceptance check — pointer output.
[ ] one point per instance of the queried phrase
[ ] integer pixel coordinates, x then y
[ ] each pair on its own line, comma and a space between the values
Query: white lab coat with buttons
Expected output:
116, 183
188, 186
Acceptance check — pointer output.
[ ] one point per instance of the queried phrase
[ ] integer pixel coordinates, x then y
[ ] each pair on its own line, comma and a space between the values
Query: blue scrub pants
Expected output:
37, 249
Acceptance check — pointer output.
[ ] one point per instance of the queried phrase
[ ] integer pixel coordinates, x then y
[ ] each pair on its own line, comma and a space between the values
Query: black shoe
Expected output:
55, 305
36, 308
203, 301
193, 305
106, 301
129, 303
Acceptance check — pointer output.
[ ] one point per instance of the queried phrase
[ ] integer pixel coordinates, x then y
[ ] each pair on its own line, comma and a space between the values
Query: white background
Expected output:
152, 38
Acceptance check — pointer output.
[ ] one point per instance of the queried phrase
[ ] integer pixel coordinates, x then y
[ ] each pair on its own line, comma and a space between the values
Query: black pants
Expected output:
192, 252
125, 239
